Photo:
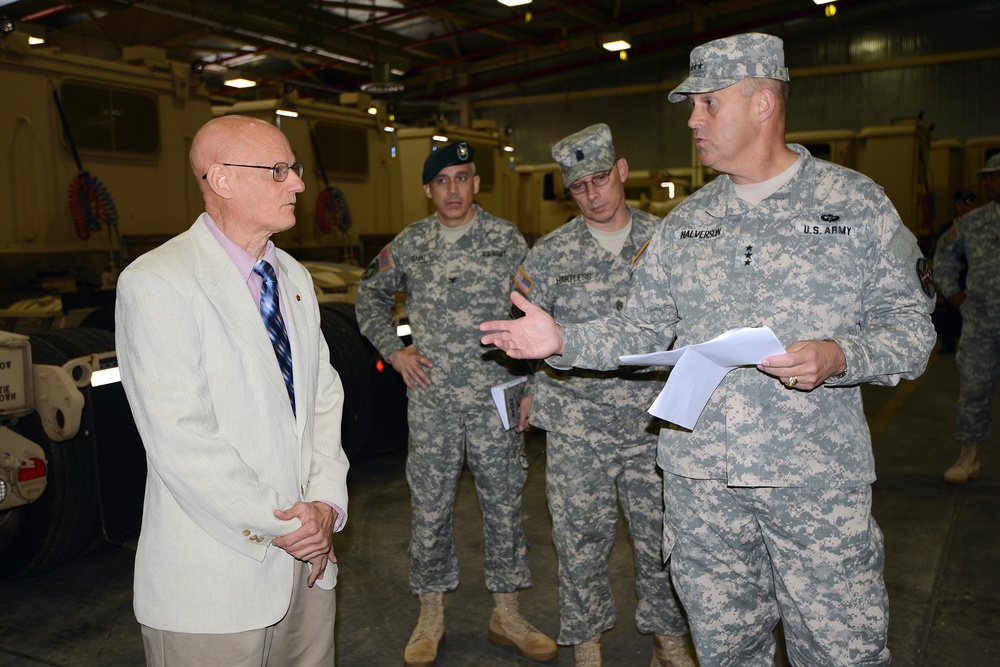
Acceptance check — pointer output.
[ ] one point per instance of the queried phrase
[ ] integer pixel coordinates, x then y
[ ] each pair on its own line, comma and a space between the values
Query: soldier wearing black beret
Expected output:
455, 267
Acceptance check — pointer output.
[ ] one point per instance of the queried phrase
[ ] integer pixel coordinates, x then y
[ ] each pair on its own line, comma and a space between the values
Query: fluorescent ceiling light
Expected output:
823, 2
616, 41
34, 41
240, 82
287, 113
508, 149
514, 3
440, 137
244, 59
372, 110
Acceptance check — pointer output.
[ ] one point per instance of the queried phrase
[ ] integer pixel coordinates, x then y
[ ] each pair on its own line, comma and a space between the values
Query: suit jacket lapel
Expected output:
228, 292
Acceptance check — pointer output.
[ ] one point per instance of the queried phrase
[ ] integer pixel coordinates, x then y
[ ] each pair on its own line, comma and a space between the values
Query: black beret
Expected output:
457, 152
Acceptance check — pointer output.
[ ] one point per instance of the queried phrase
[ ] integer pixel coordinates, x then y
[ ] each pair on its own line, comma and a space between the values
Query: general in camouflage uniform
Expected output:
768, 498
600, 442
455, 268
975, 239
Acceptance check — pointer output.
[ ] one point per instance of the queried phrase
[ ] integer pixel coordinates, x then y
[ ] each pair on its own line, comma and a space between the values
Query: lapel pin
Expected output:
298, 298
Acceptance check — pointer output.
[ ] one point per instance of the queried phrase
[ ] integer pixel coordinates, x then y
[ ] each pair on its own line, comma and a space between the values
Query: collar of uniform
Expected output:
800, 192
803, 187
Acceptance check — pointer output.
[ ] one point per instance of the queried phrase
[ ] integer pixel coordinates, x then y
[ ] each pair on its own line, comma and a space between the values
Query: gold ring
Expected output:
791, 381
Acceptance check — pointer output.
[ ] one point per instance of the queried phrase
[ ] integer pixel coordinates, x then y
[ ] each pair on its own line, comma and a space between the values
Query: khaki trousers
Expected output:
303, 638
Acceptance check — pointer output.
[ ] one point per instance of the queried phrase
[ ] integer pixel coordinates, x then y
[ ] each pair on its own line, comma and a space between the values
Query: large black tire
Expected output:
66, 519
374, 402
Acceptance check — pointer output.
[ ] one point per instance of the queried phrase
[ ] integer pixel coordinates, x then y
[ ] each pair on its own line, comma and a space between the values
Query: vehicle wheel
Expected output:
65, 520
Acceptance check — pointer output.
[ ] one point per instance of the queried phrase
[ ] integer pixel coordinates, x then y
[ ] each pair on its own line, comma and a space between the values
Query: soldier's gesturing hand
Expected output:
411, 364
534, 336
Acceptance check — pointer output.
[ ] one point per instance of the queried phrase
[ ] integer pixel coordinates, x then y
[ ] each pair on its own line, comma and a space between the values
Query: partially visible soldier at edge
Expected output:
455, 266
600, 441
948, 321
973, 239
768, 498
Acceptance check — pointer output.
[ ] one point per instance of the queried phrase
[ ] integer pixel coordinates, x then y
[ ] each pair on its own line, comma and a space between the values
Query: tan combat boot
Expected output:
588, 654
966, 467
508, 628
427, 637
671, 651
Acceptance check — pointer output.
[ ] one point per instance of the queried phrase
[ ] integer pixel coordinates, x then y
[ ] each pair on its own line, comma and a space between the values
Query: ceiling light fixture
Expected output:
616, 41
247, 56
514, 3
823, 2
237, 81
381, 83
440, 137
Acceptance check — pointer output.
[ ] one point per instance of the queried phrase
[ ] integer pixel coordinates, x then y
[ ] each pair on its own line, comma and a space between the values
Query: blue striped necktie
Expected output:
271, 314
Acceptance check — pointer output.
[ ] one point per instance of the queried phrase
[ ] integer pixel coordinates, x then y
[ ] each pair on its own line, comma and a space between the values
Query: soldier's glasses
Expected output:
599, 180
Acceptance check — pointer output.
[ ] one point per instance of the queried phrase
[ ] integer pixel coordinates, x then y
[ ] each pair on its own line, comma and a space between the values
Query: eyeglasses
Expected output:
966, 200
279, 172
598, 181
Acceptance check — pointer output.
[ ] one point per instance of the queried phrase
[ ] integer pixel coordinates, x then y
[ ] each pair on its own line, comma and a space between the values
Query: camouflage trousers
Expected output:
978, 361
743, 558
440, 441
586, 476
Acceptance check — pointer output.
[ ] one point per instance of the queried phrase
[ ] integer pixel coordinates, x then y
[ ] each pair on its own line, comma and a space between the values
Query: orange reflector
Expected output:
36, 472
379, 365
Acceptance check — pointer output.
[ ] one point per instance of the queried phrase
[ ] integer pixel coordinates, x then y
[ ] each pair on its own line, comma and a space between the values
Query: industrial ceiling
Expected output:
440, 53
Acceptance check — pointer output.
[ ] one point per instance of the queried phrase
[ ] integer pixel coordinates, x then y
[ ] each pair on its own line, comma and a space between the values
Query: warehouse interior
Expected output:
108, 94
941, 551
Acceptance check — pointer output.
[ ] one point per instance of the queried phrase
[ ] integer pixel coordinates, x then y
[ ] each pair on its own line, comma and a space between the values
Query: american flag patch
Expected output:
523, 282
384, 259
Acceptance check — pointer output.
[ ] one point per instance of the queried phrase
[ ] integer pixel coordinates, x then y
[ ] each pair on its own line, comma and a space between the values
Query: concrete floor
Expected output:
942, 549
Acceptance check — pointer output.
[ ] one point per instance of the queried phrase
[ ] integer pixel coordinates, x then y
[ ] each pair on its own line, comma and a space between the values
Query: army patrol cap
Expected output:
993, 164
457, 152
588, 151
722, 62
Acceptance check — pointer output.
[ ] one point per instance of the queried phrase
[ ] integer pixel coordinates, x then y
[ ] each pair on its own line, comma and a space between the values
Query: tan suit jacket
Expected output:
223, 447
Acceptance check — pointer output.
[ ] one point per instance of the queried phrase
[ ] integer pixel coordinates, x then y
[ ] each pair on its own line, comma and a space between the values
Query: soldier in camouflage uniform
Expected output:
600, 440
455, 267
974, 238
768, 498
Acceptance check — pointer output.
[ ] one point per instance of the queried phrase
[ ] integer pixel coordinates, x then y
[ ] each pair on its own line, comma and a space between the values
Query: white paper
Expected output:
699, 369
500, 399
